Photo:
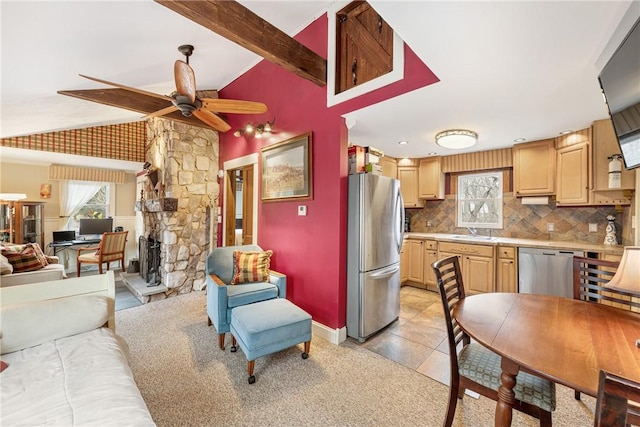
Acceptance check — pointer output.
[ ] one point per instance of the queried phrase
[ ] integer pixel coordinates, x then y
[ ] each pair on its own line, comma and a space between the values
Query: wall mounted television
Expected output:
90, 227
620, 83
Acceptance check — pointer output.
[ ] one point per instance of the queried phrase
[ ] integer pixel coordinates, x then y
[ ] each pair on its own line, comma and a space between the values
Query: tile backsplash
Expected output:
529, 221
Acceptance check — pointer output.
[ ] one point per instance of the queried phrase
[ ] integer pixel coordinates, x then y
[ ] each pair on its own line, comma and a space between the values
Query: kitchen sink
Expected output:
474, 238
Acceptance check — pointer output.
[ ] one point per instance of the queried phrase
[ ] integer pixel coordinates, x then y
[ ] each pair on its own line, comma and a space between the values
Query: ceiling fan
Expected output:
183, 99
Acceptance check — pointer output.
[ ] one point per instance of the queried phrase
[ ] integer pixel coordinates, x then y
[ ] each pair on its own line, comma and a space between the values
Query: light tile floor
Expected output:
418, 339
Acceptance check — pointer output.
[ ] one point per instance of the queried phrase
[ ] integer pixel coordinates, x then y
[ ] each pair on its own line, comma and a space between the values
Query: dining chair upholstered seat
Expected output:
482, 365
477, 368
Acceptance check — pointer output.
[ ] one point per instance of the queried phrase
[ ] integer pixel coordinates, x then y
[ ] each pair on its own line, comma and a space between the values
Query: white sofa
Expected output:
66, 365
46, 274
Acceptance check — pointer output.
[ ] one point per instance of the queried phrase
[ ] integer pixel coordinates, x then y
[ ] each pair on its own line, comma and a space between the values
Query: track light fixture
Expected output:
256, 131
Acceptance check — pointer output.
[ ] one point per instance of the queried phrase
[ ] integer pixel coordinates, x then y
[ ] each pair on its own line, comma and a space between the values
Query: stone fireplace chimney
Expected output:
186, 160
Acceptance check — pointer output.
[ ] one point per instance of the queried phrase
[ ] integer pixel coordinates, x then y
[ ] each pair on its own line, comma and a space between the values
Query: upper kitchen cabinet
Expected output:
389, 167
573, 175
604, 146
430, 179
408, 176
534, 168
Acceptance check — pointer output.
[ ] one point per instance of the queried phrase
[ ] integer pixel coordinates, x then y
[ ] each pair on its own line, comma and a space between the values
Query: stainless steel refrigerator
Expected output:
374, 233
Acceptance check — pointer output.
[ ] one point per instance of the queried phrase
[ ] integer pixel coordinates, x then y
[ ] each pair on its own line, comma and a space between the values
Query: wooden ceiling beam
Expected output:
235, 22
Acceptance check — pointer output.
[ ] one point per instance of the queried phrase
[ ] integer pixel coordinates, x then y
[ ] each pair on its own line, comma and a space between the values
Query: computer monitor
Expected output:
90, 227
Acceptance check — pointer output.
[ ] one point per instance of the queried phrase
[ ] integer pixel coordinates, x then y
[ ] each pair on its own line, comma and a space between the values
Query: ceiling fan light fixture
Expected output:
456, 139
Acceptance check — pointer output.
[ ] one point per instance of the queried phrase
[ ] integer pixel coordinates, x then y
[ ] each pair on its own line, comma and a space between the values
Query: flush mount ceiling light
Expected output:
456, 139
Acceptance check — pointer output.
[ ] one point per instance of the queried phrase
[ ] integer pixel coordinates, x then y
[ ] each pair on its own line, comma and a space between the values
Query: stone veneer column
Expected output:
187, 161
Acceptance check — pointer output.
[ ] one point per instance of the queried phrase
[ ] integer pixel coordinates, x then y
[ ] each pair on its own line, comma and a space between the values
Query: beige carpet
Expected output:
187, 381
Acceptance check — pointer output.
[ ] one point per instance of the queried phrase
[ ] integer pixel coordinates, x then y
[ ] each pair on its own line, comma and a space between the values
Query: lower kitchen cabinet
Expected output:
506, 269
416, 261
477, 265
430, 256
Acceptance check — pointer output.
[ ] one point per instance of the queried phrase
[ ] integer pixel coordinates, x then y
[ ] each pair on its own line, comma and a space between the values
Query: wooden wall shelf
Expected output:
157, 205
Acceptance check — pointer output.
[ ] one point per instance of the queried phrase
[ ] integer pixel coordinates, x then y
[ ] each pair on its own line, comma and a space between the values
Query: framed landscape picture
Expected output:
286, 170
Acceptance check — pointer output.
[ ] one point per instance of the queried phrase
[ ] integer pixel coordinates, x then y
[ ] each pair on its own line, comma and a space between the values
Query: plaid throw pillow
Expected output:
251, 266
22, 260
39, 254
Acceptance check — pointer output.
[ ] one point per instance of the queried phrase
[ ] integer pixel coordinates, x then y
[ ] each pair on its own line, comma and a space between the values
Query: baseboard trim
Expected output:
334, 336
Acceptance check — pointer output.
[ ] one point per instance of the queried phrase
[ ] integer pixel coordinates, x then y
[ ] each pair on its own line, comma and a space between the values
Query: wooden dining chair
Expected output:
591, 279
112, 248
612, 406
477, 368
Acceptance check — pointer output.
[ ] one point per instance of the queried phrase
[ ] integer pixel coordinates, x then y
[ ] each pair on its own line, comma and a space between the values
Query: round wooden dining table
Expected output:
564, 340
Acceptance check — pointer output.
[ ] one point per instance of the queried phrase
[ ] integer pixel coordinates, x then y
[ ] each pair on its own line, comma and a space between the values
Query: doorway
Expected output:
240, 201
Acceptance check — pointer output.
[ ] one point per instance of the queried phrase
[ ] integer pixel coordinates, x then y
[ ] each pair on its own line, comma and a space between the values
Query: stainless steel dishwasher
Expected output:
545, 271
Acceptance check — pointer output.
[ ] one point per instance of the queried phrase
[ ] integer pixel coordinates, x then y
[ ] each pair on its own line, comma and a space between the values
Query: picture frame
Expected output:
286, 170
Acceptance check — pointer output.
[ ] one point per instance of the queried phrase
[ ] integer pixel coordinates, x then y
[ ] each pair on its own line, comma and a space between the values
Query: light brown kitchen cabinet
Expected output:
572, 175
416, 261
534, 168
430, 179
507, 270
389, 167
477, 265
430, 256
404, 263
604, 146
408, 176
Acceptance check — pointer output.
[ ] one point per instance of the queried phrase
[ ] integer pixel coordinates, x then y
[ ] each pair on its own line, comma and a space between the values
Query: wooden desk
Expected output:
564, 340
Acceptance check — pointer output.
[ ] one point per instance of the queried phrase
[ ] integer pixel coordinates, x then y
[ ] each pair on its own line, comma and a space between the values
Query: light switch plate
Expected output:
302, 210
550, 226
593, 228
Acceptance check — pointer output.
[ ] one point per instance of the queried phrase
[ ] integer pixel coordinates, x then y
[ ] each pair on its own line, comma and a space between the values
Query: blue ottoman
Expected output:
267, 327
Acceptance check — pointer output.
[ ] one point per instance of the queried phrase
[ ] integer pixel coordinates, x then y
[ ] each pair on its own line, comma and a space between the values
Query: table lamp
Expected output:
11, 198
627, 277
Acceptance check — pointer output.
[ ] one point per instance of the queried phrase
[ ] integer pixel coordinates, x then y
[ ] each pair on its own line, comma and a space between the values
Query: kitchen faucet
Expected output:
473, 231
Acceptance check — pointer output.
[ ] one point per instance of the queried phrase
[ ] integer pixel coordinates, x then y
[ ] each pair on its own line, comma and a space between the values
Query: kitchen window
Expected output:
479, 200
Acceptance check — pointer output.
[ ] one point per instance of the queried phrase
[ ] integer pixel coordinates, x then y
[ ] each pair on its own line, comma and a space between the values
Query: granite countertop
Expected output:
530, 243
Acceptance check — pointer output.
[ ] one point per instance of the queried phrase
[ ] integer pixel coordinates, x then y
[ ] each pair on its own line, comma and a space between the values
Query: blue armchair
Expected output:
223, 297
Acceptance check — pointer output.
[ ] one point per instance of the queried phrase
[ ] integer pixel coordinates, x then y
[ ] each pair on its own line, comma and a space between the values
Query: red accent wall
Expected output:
310, 250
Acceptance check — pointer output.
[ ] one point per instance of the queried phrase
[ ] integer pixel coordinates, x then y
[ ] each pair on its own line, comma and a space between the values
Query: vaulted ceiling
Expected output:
507, 69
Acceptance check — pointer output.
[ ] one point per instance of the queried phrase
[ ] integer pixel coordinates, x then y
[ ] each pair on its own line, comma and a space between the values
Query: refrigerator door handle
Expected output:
400, 220
385, 272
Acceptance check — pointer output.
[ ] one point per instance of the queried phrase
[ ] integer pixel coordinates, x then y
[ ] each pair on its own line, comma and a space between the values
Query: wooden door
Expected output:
404, 263
230, 208
364, 46
247, 205
506, 280
430, 256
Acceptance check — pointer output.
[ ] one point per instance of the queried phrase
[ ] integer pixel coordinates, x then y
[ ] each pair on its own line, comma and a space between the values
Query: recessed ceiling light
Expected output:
564, 132
403, 142
520, 140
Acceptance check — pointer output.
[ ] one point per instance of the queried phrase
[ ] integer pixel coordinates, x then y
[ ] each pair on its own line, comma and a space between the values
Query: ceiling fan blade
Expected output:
162, 112
132, 89
233, 106
212, 120
185, 80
